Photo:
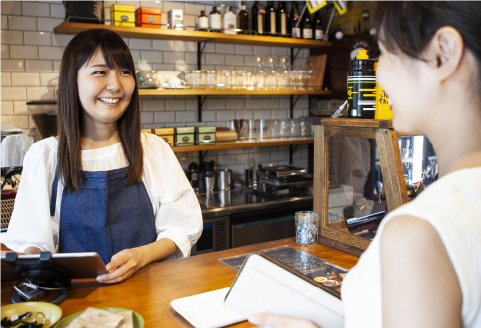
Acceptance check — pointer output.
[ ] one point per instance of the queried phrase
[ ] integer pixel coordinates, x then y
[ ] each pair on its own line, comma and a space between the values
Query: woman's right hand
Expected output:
275, 321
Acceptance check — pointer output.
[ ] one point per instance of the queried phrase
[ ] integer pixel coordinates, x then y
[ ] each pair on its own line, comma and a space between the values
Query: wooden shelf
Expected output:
220, 92
196, 36
243, 144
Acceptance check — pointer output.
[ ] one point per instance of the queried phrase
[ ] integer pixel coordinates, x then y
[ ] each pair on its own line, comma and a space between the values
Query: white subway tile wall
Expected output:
31, 55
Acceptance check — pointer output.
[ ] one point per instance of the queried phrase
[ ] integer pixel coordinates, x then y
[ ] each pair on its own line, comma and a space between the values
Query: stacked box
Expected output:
205, 134
148, 17
167, 134
122, 15
184, 136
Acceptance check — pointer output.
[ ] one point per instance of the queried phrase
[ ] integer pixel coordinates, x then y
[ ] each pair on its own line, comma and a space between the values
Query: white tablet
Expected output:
264, 285
79, 265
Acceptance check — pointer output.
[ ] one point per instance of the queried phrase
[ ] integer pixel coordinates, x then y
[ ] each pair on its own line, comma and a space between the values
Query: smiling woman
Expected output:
102, 185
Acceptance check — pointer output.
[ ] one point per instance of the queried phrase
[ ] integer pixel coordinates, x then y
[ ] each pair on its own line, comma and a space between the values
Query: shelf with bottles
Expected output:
243, 143
221, 92
196, 36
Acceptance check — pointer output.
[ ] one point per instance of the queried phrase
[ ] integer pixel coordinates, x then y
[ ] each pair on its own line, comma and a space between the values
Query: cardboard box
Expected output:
184, 136
147, 130
148, 17
167, 134
205, 134
122, 15
175, 17
168, 139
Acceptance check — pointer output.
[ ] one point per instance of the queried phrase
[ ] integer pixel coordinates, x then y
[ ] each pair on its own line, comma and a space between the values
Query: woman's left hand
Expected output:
122, 266
275, 321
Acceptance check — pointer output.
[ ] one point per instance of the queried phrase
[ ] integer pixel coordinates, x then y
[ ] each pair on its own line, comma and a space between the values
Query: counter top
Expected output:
150, 291
227, 202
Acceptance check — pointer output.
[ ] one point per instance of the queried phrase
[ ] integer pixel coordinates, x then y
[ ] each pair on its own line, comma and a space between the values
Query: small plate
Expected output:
52, 312
138, 320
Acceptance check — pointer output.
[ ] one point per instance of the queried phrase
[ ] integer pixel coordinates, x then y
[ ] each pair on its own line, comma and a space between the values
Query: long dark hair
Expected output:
408, 26
70, 124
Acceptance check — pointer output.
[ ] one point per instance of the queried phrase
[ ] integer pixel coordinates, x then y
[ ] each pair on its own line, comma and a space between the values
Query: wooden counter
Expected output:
150, 291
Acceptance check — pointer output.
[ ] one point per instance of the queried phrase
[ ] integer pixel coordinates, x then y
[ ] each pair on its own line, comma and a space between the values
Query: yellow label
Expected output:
164, 131
383, 109
122, 18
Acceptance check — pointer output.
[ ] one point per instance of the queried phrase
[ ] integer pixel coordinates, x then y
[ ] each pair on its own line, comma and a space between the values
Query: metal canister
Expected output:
361, 87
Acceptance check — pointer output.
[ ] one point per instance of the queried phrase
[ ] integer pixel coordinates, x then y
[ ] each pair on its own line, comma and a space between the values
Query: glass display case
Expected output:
363, 170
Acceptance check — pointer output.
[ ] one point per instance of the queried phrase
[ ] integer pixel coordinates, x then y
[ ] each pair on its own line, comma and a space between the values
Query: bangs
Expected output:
114, 50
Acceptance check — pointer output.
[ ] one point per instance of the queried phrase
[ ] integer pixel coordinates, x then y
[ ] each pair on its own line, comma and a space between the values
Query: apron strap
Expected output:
53, 197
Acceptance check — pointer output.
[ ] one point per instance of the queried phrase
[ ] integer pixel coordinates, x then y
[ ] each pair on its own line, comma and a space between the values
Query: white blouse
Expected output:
177, 211
452, 205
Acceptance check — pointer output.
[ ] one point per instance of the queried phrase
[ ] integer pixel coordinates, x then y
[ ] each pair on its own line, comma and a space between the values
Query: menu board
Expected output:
319, 270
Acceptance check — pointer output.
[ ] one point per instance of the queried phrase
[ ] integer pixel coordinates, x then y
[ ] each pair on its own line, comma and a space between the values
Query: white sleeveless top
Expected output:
452, 205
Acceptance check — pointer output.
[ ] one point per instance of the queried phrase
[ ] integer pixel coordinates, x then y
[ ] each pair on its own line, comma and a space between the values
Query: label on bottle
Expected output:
215, 21
319, 34
273, 22
283, 24
307, 33
230, 21
203, 23
260, 23
296, 32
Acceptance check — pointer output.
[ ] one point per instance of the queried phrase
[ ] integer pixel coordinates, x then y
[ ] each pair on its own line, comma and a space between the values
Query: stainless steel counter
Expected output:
227, 202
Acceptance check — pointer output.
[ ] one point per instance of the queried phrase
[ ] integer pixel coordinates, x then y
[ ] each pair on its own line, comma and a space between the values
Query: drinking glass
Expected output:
273, 128
307, 227
197, 81
252, 129
284, 128
211, 79
263, 129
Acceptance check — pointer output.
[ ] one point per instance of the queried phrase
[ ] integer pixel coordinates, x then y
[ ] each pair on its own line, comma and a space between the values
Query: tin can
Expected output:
361, 87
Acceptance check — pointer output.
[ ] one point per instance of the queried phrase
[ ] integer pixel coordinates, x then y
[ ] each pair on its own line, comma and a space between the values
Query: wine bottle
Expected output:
243, 17
295, 29
203, 22
318, 29
307, 26
270, 17
281, 19
215, 20
258, 18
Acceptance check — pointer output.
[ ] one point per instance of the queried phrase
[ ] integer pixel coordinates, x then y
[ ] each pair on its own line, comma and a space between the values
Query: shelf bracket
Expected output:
201, 156
200, 103
200, 49
294, 56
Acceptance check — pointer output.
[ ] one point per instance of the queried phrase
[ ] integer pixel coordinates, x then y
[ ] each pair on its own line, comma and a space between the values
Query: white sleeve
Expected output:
30, 224
178, 216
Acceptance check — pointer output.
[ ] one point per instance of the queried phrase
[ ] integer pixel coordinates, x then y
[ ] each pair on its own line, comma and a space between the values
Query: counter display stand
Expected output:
202, 38
342, 146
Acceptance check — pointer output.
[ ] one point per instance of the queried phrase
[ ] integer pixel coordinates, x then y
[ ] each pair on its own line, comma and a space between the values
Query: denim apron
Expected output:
106, 216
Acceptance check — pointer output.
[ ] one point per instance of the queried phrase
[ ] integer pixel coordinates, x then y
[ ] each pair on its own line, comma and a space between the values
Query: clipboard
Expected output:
264, 285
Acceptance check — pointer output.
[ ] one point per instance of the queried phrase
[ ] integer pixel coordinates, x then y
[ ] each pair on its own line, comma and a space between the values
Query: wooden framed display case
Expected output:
357, 163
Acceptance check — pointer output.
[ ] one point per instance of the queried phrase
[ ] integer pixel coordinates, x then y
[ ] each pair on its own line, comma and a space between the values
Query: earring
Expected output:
438, 61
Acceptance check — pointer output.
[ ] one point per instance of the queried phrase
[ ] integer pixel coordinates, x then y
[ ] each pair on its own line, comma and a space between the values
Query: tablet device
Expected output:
264, 285
78, 265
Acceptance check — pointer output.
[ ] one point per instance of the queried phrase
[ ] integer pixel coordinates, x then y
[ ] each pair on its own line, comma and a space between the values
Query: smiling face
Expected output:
409, 85
104, 92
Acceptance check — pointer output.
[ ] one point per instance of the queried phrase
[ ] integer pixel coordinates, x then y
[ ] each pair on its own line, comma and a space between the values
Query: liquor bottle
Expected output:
295, 29
203, 22
307, 26
230, 21
270, 17
258, 18
243, 17
215, 20
281, 19
318, 29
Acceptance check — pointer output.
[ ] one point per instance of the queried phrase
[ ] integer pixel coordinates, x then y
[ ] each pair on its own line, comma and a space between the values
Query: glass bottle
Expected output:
258, 18
270, 17
215, 20
318, 29
281, 19
203, 22
307, 26
243, 17
295, 29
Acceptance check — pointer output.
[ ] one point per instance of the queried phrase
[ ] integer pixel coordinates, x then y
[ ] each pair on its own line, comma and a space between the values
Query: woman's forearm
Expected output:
156, 251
